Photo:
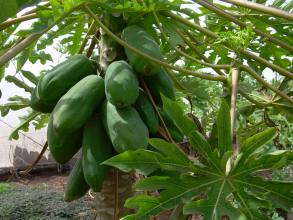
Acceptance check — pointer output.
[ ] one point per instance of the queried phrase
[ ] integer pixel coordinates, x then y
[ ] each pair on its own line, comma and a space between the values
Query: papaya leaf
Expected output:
215, 187
146, 162
24, 124
15, 103
11, 7
224, 128
176, 113
30, 76
19, 83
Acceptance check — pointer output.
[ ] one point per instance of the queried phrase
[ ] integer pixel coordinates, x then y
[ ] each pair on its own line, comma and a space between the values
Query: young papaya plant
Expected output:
220, 182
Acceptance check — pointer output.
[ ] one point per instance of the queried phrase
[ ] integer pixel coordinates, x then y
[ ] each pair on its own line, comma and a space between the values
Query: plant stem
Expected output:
84, 42
272, 66
185, 54
262, 8
230, 17
211, 34
37, 8
13, 51
234, 84
148, 57
10, 22
258, 104
145, 87
25, 172
266, 84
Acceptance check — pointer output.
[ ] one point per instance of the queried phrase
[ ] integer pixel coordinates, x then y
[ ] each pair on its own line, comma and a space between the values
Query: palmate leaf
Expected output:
24, 124
15, 103
221, 184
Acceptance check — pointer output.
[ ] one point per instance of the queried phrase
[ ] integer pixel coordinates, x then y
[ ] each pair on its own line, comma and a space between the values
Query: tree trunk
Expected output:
116, 189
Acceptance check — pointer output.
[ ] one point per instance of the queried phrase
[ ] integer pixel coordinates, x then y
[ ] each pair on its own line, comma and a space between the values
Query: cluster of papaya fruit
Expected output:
102, 114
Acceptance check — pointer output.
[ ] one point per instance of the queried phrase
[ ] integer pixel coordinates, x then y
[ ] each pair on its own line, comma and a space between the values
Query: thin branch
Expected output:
13, 51
257, 103
38, 8
272, 66
211, 34
202, 56
25, 172
266, 84
194, 48
146, 89
262, 8
230, 17
93, 43
10, 22
85, 40
185, 54
154, 60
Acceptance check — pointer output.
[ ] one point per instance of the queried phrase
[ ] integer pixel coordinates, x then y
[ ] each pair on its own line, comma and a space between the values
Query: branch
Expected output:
262, 8
266, 84
148, 57
25, 172
10, 22
185, 54
211, 34
230, 17
272, 66
258, 104
85, 40
13, 51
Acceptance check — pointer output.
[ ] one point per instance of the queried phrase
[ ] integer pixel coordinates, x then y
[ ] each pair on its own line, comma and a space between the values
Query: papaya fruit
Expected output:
147, 112
63, 146
140, 39
37, 104
76, 185
121, 84
78, 104
57, 81
96, 148
160, 83
124, 127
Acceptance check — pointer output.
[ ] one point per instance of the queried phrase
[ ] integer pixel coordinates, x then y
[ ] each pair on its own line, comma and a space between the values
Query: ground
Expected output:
41, 198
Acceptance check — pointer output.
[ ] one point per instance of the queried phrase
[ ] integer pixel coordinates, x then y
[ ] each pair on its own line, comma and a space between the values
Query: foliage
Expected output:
221, 181
4, 187
217, 183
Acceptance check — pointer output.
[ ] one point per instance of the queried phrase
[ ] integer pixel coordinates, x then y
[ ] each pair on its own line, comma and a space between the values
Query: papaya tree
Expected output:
180, 109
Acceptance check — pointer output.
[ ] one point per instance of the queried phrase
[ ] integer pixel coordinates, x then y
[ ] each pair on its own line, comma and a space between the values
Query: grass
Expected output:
4, 187
41, 202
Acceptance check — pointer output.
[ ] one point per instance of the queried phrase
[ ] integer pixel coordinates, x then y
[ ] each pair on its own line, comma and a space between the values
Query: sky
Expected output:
9, 89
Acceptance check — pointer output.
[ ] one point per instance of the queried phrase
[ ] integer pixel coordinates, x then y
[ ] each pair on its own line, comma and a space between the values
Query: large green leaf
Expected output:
9, 8
221, 184
24, 124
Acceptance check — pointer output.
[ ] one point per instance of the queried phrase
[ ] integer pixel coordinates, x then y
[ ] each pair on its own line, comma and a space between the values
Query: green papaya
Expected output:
76, 185
78, 104
63, 146
121, 84
124, 127
140, 39
37, 104
96, 148
147, 113
160, 83
57, 81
